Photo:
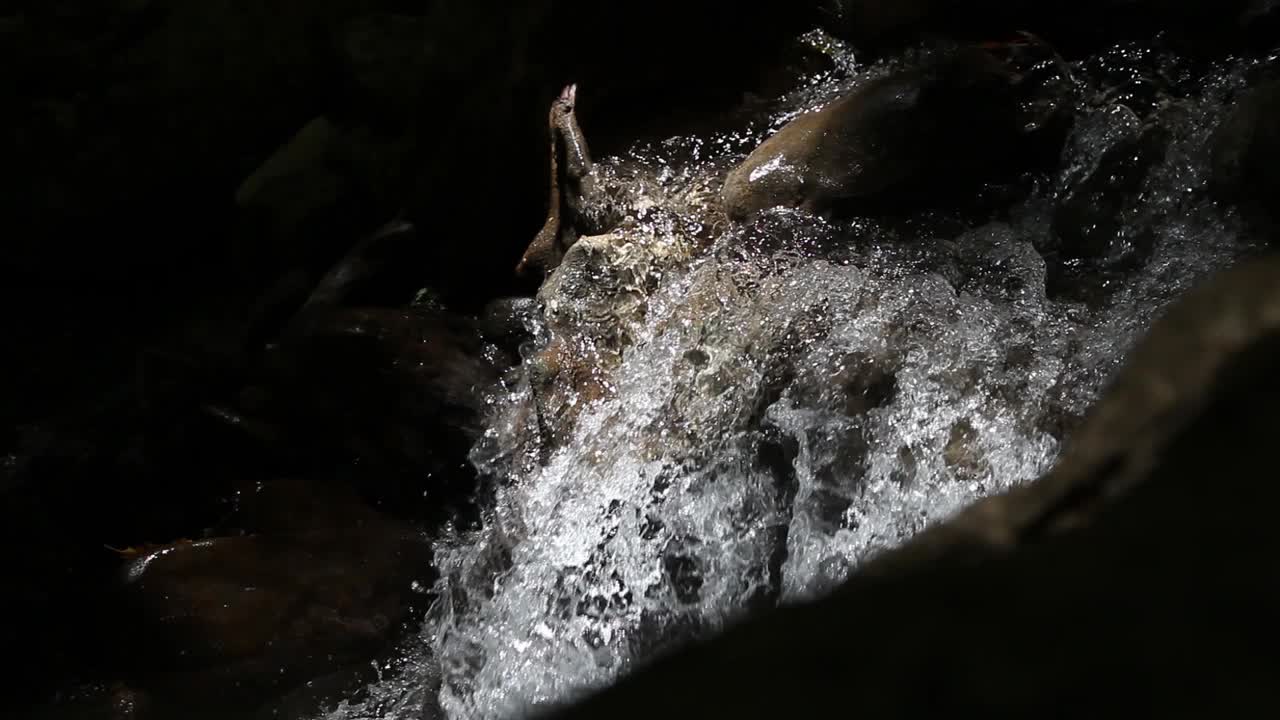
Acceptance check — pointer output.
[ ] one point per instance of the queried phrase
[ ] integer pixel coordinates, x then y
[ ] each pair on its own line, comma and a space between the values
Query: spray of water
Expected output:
786, 398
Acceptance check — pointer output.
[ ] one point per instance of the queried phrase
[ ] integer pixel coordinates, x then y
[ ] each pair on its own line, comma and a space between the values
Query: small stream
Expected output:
797, 394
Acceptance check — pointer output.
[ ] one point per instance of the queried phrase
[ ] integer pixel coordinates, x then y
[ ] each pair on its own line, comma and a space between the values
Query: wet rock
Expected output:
269, 313
868, 381
601, 286
374, 272
590, 306
1246, 156
232, 621
1094, 212
962, 453
573, 188
319, 695
1070, 582
565, 377
682, 571
508, 322
138, 463
593, 303
441, 351
854, 383
944, 124
402, 390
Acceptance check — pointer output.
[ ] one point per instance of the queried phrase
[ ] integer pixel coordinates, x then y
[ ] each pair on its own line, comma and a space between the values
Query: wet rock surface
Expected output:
319, 582
298, 584
953, 116
1089, 218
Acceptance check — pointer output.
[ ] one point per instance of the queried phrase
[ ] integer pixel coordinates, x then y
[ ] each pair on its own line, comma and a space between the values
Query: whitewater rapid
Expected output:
796, 396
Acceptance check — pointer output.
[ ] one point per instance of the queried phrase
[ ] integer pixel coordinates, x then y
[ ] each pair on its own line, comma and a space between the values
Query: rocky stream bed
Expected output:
921, 364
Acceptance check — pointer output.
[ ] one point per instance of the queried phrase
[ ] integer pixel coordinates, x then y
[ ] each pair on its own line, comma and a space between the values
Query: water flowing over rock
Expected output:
747, 419
1033, 601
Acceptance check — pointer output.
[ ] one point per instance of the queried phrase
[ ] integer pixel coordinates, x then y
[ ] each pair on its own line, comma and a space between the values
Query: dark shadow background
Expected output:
131, 124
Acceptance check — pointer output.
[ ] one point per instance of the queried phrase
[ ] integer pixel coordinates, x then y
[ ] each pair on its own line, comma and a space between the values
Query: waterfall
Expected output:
784, 398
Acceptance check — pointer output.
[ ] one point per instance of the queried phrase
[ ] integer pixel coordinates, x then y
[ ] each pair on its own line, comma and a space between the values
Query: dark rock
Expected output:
1246, 156
299, 210
1140, 567
682, 571
319, 695
233, 621
508, 322
440, 351
374, 272
399, 391
962, 454
140, 464
294, 192
868, 382
1090, 216
945, 124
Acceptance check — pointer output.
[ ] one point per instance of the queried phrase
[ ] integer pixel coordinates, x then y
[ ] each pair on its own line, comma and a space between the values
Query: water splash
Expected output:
800, 395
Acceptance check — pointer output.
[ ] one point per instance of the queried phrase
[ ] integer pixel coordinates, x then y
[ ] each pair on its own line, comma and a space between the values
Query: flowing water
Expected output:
798, 394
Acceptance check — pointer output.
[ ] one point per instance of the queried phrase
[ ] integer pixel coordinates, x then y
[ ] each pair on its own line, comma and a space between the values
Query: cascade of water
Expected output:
799, 394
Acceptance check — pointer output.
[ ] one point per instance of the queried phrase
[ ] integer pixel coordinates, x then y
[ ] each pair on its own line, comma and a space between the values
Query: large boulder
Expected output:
281, 610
